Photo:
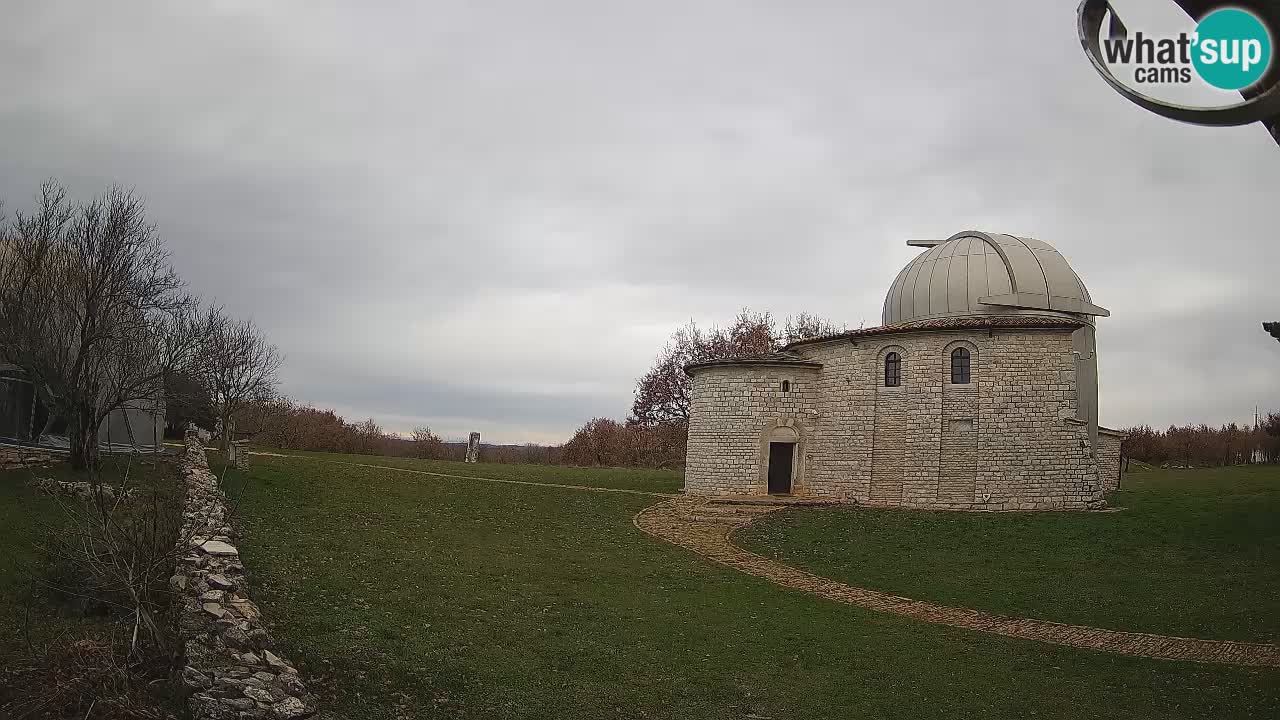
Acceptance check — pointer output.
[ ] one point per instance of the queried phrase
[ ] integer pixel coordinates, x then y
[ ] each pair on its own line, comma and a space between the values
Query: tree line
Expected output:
282, 423
1205, 446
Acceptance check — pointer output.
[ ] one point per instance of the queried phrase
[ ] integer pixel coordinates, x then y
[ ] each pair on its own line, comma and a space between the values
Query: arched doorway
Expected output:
782, 451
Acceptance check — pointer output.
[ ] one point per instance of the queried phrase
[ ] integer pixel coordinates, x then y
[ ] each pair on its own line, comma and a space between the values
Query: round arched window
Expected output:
892, 370
960, 366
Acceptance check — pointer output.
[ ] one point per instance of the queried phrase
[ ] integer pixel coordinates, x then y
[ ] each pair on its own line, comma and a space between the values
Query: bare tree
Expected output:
365, 437
662, 395
601, 442
807, 325
427, 444
240, 367
91, 309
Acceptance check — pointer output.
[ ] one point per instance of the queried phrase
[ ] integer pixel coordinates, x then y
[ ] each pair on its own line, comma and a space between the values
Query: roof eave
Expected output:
691, 368
1065, 323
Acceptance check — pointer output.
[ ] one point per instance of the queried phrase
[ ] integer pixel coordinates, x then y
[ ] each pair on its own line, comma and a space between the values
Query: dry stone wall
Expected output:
232, 670
1004, 441
14, 458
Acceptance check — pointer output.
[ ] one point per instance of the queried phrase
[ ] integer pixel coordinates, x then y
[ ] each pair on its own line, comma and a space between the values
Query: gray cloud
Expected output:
490, 215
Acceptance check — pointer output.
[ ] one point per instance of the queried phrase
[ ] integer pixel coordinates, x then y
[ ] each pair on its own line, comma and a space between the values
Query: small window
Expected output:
892, 370
786, 386
960, 366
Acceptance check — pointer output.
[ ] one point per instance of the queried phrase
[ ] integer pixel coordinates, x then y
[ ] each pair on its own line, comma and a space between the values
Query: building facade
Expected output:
136, 426
979, 392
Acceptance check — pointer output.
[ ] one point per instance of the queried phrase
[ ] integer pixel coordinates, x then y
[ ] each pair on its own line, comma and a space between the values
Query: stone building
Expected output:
978, 392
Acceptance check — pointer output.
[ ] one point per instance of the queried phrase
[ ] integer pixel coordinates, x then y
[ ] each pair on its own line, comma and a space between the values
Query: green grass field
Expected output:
1193, 553
25, 519
644, 479
408, 595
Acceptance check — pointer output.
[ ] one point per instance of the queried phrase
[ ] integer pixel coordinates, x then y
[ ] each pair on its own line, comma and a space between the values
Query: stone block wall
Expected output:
958, 452
888, 456
1030, 456
1001, 442
1109, 442
733, 409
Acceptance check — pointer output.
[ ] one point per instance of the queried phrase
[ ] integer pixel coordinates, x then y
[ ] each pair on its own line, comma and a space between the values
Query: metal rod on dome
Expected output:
925, 243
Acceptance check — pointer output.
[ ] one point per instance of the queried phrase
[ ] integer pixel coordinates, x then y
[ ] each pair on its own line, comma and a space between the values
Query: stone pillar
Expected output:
238, 454
473, 448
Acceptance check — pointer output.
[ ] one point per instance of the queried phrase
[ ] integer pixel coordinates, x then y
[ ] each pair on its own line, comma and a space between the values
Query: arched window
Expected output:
786, 386
960, 366
892, 370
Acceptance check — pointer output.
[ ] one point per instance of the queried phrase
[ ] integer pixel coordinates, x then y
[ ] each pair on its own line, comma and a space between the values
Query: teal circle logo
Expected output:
1232, 49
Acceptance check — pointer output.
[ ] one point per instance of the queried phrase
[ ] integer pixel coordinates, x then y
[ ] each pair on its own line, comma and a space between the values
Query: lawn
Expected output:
407, 595
1193, 553
27, 519
643, 479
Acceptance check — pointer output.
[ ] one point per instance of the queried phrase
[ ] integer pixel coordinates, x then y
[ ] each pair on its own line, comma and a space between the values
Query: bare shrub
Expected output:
109, 555
239, 369
428, 445
82, 678
603, 442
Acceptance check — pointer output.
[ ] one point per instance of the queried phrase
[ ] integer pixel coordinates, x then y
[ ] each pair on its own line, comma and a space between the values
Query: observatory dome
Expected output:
973, 274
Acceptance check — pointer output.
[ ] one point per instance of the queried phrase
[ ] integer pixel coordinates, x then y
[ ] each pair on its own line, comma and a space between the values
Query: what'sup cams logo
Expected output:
1231, 48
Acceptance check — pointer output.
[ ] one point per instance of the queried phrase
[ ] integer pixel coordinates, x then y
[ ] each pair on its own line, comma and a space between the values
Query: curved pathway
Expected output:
705, 528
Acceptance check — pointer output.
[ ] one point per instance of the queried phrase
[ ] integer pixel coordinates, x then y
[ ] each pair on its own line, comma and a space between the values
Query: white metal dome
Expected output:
975, 273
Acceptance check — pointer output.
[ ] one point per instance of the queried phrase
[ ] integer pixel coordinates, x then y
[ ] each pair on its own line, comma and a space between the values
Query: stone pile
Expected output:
80, 490
231, 669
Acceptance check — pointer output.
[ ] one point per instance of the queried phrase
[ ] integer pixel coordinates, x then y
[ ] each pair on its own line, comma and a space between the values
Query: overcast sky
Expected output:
490, 215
